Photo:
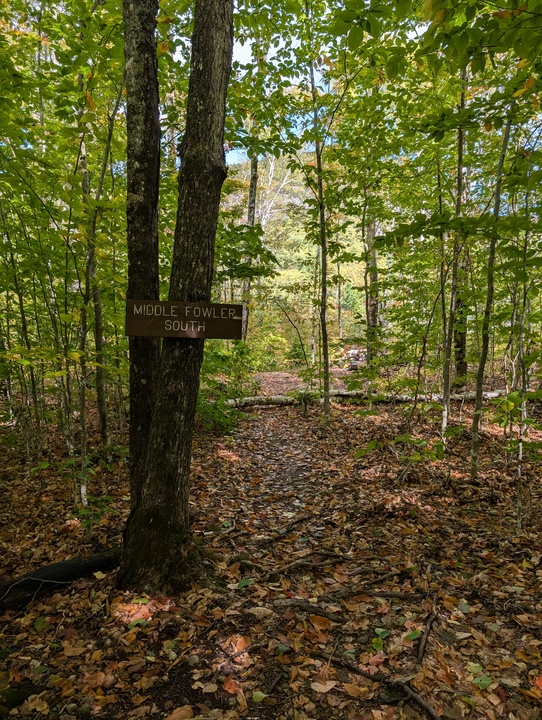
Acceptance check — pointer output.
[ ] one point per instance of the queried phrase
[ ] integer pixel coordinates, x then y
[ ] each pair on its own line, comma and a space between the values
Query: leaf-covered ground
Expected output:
354, 577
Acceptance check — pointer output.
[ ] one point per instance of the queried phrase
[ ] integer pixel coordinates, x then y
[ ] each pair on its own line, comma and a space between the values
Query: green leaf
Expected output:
40, 623
135, 623
483, 681
282, 649
245, 582
414, 634
39, 670
258, 696
355, 38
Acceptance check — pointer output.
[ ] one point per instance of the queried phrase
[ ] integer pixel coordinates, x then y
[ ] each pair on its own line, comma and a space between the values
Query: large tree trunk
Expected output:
143, 169
157, 552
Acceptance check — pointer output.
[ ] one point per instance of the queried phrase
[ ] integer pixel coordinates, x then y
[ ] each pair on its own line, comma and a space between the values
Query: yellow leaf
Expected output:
90, 101
519, 92
529, 83
163, 47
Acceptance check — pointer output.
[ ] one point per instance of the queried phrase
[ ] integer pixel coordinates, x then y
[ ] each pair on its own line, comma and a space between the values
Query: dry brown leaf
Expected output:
322, 623
260, 612
210, 688
37, 704
231, 686
353, 690
72, 650
323, 687
181, 713
241, 643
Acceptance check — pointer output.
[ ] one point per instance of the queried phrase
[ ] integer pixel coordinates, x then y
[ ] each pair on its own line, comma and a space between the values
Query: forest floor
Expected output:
355, 577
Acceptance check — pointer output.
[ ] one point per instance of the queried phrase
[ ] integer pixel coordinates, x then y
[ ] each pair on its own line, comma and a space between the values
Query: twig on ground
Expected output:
249, 648
380, 578
425, 637
380, 678
305, 561
364, 588
396, 595
275, 682
308, 607
292, 525
351, 592
207, 629
376, 580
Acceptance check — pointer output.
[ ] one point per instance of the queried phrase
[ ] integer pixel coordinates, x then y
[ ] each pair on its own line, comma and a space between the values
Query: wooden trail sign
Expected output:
167, 318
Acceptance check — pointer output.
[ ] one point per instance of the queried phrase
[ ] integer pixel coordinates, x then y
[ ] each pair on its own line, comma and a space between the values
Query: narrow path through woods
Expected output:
279, 468
393, 558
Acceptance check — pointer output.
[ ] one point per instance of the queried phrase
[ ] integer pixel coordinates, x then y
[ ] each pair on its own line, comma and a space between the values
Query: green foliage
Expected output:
226, 374
240, 253
97, 507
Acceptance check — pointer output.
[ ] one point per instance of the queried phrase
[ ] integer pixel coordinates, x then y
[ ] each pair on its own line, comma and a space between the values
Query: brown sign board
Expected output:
159, 318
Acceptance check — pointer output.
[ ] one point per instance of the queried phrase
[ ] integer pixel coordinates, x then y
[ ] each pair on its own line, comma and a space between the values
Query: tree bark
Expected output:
449, 328
477, 415
251, 220
323, 241
460, 335
158, 554
372, 309
143, 168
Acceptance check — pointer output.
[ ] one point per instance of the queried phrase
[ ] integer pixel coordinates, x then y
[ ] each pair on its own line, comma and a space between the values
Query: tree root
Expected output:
18, 592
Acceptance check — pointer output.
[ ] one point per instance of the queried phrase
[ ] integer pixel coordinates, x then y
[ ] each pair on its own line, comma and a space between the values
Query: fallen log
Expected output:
307, 398
18, 592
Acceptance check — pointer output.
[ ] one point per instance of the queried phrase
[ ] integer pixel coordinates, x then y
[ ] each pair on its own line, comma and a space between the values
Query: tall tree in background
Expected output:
157, 552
